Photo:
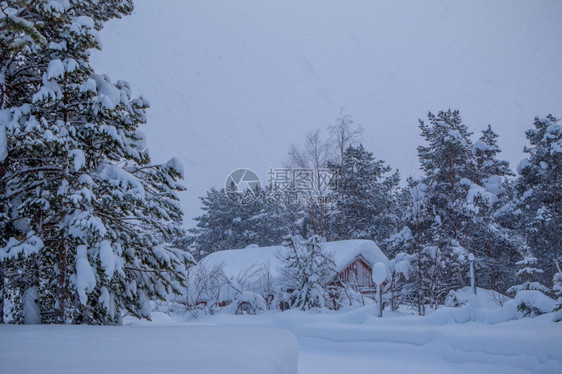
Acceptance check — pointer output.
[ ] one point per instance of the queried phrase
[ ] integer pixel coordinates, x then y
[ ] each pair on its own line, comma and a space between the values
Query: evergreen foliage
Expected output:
228, 224
536, 211
528, 273
366, 206
306, 271
86, 217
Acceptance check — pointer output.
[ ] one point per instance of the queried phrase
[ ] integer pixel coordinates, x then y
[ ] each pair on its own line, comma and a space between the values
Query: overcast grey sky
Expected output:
269, 72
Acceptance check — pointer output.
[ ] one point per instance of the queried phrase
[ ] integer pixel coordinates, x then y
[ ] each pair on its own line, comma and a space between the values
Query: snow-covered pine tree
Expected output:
273, 220
223, 225
529, 295
94, 214
493, 244
455, 205
366, 194
489, 168
24, 37
306, 270
413, 240
527, 273
537, 207
20, 38
449, 173
227, 224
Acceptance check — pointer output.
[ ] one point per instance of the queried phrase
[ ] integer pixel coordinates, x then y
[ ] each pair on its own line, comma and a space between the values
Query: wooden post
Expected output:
379, 276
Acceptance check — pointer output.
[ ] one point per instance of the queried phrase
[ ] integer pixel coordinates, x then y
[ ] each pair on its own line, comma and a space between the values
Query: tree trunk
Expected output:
3, 169
1, 294
61, 282
472, 279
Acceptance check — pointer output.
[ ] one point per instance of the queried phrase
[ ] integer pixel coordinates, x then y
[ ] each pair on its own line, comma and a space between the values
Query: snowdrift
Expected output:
146, 349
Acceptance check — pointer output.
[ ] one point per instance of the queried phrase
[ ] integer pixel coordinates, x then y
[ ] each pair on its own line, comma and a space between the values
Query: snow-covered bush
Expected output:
498, 298
250, 291
209, 290
527, 273
248, 302
305, 273
532, 303
343, 295
529, 295
453, 300
204, 289
399, 288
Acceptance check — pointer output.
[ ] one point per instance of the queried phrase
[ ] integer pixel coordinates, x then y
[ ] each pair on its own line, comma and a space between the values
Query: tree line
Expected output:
468, 203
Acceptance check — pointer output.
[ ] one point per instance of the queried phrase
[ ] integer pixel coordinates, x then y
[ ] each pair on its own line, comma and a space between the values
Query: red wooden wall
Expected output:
358, 273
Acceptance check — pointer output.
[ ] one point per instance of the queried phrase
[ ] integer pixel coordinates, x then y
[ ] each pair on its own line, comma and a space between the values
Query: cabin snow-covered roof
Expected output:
237, 261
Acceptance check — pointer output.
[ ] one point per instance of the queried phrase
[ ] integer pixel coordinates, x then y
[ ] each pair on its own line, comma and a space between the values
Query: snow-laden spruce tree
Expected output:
528, 273
414, 240
448, 213
446, 162
494, 245
537, 207
306, 270
91, 215
228, 224
530, 294
366, 205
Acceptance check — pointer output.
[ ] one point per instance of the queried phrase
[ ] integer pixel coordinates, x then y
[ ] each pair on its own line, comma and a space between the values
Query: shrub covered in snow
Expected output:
527, 273
532, 303
453, 300
305, 273
203, 291
248, 302
210, 290
344, 295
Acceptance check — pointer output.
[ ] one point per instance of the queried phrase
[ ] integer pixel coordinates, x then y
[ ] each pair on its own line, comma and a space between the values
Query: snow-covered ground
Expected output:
479, 337
358, 342
155, 348
450, 340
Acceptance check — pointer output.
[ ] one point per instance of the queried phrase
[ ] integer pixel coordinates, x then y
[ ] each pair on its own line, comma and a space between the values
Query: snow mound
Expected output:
147, 349
535, 300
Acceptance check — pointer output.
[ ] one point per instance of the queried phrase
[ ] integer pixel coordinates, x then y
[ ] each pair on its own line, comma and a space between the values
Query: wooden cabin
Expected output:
357, 274
354, 260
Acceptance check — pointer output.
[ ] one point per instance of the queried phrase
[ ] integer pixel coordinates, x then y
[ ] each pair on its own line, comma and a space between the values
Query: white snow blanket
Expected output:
358, 342
146, 349
249, 265
237, 261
